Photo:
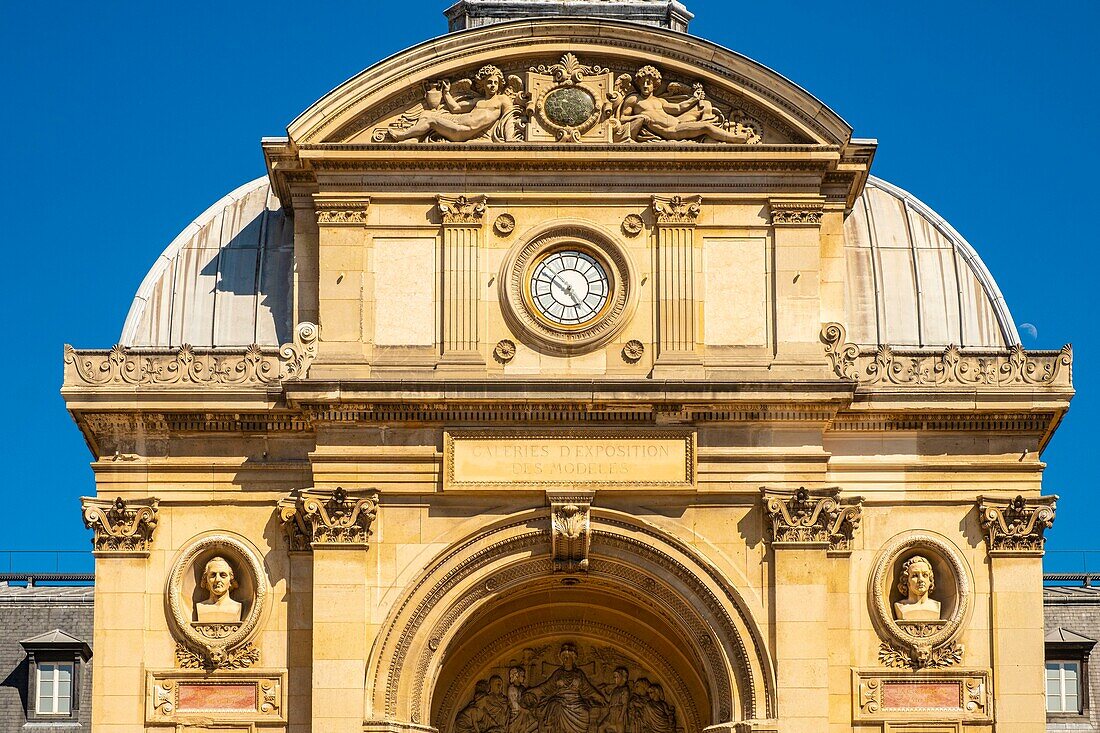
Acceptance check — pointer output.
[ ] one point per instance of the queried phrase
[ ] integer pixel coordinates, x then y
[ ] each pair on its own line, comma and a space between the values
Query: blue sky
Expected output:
125, 120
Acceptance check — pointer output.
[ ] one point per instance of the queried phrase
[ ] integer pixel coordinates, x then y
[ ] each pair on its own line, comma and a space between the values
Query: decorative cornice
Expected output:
323, 518
570, 529
120, 527
341, 211
463, 210
818, 518
796, 213
1016, 528
1012, 367
677, 211
187, 366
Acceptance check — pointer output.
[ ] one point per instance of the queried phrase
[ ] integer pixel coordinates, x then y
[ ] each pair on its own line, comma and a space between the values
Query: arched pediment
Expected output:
709, 93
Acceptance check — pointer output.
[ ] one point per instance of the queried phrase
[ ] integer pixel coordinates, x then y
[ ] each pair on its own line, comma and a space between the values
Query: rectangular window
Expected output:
1063, 687
54, 688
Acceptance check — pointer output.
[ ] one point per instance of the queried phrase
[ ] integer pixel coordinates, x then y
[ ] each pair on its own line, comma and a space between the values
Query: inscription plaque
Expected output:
501, 460
216, 697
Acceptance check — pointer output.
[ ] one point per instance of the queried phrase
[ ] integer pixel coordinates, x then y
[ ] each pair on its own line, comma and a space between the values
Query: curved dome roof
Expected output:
911, 279
224, 281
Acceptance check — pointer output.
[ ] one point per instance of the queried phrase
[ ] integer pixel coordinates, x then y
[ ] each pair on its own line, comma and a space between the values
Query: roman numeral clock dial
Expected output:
569, 288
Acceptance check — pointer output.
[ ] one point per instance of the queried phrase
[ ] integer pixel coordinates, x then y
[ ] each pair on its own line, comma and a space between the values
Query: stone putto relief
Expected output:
551, 691
568, 101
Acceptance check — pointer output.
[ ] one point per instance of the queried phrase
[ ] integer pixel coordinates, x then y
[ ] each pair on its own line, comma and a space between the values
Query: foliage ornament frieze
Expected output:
120, 526
189, 366
796, 213
341, 211
313, 518
462, 210
1012, 367
820, 518
1018, 525
569, 101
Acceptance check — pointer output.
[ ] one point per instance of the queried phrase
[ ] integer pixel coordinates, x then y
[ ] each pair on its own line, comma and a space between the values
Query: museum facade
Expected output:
568, 375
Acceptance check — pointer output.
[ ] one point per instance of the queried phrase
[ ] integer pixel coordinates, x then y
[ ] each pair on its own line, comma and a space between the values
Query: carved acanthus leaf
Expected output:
819, 517
920, 656
569, 70
187, 366
120, 526
241, 657
570, 529
311, 518
342, 211
1019, 526
463, 210
1012, 367
797, 213
677, 210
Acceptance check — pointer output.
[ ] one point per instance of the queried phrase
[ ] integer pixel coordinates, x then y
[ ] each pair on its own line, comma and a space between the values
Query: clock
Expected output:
568, 288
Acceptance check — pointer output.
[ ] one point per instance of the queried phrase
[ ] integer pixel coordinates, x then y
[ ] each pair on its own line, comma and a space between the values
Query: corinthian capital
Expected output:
819, 518
677, 211
311, 518
463, 211
1018, 527
120, 526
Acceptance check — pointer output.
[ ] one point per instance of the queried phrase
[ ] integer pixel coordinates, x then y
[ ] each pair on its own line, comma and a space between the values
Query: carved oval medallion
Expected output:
569, 106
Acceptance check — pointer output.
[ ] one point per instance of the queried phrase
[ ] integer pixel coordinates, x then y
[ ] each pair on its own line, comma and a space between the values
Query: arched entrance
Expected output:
648, 607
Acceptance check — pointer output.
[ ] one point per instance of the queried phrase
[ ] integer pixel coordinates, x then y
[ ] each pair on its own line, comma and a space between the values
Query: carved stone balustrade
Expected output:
1018, 526
953, 367
121, 527
331, 519
188, 366
807, 518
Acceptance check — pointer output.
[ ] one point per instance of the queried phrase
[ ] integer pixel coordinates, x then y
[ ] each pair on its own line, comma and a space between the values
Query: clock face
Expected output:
569, 288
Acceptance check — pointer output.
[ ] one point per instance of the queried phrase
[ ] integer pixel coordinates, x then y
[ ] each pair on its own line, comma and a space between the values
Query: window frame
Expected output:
1081, 695
36, 660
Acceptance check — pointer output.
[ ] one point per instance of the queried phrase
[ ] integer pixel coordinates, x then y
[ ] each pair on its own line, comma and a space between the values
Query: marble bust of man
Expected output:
219, 606
915, 582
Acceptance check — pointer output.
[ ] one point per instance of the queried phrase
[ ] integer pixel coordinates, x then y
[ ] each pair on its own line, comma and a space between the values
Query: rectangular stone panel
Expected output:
194, 697
489, 460
922, 695
404, 291
735, 308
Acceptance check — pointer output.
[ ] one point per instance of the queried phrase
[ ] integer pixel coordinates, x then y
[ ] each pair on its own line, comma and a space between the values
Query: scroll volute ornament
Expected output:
807, 517
1018, 527
120, 527
217, 593
311, 518
462, 210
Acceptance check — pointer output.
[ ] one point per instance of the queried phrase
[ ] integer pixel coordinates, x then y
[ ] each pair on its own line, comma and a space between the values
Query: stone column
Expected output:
806, 527
796, 229
1014, 535
677, 270
341, 266
123, 532
462, 221
336, 527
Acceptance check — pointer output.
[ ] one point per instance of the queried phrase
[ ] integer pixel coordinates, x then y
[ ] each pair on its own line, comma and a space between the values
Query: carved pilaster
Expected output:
337, 210
797, 213
120, 527
676, 218
570, 529
462, 219
813, 518
332, 519
1016, 528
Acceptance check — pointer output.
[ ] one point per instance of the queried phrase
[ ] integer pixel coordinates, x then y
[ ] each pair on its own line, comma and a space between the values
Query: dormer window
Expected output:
55, 660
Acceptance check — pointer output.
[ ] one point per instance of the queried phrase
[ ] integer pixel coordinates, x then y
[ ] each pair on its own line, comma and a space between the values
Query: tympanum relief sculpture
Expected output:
597, 696
569, 101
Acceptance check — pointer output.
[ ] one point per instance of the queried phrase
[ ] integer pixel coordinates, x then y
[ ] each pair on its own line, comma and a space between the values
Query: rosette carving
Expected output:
312, 518
1012, 367
806, 517
187, 366
1019, 526
120, 526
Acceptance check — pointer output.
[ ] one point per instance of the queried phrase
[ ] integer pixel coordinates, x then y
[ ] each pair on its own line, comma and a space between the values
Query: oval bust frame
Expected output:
885, 576
247, 561
536, 331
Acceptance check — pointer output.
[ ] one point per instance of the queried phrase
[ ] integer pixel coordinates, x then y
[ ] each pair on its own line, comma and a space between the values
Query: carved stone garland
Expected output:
814, 518
1017, 528
311, 518
120, 527
187, 366
570, 529
884, 366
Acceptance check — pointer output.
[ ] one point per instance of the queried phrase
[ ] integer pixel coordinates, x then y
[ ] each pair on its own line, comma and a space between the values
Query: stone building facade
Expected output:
569, 375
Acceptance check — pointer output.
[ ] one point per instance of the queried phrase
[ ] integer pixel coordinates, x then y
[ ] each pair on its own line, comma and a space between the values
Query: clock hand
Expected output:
566, 287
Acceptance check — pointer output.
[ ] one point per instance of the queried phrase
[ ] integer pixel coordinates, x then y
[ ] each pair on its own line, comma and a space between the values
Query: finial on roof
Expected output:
669, 14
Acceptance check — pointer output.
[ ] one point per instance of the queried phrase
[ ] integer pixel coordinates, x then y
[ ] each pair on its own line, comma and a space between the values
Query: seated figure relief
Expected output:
218, 581
484, 107
915, 581
643, 112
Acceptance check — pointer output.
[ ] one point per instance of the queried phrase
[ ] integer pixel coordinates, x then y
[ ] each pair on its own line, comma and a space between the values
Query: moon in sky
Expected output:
1030, 330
